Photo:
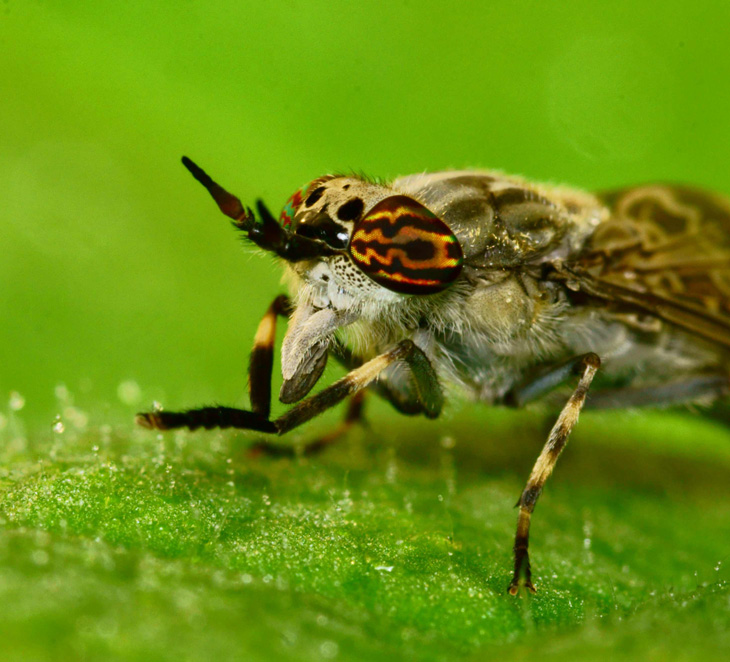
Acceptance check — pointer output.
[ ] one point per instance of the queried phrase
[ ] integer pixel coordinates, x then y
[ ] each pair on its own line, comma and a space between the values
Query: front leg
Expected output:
261, 360
425, 378
587, 366
260, 368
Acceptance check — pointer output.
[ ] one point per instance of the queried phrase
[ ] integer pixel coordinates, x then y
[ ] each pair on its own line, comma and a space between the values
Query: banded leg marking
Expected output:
260, 368
205, 417
353, 382
261, 361
558, 437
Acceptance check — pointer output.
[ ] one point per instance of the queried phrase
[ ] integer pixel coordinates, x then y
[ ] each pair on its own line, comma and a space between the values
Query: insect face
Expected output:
393, 239
327, 208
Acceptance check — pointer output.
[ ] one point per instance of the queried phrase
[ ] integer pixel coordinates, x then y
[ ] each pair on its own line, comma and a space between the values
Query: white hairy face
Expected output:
327, 211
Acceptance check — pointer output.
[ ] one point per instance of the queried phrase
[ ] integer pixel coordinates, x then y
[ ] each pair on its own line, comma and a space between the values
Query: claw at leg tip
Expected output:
145, 421
514, 587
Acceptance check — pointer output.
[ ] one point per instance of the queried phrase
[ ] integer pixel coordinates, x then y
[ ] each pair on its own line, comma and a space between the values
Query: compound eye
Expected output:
290, 208
405, 248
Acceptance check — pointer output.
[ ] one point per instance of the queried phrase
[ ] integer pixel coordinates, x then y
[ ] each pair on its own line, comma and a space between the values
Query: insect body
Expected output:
502, 289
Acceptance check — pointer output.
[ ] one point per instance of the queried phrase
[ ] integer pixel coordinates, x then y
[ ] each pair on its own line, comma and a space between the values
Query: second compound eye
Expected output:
286, 217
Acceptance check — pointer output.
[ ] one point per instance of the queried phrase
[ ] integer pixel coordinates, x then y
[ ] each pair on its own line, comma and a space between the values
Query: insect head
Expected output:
393, 239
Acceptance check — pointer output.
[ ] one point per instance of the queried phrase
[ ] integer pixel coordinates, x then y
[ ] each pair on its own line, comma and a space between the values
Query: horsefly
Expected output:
504, 289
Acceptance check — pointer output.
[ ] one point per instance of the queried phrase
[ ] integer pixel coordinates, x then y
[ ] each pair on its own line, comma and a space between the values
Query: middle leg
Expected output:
353, 416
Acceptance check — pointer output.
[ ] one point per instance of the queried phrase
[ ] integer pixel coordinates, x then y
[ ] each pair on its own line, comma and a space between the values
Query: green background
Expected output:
121, 284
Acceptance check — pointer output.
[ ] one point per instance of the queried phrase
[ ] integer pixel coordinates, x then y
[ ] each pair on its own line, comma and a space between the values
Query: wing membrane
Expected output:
666, 251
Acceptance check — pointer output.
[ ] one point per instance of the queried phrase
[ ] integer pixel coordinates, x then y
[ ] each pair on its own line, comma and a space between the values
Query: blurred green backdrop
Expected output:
121, 283
116, 267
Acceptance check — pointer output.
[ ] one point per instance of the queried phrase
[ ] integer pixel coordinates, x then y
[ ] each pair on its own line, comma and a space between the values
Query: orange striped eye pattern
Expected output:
402, 246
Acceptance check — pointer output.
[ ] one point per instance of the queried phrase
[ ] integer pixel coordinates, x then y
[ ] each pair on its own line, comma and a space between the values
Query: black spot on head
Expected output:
351, 210
314, 196
345, 187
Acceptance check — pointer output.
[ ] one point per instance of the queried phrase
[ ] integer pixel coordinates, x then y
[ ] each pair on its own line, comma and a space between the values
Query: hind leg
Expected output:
586, 366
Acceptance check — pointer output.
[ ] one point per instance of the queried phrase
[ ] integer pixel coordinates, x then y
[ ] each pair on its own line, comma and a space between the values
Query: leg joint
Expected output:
529, 497
282, 305
590, 360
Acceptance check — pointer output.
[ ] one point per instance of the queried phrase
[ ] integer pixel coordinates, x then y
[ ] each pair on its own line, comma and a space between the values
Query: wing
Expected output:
665, 251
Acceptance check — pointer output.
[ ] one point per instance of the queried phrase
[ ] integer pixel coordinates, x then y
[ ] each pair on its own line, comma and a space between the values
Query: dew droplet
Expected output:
129, 392
329, 649
58, 426
448, 442
79, 419
61, 391
105, 432
17, 401
39, 557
